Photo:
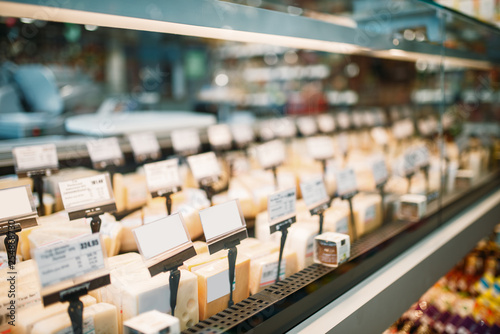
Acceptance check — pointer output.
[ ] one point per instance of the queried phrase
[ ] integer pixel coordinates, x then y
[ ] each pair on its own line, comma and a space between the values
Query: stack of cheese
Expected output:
133, 291
58, 227
264, 263
130, 191
213, 281
188, 202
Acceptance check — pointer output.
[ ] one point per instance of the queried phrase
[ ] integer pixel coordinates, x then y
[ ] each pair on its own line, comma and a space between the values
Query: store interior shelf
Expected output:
234, 22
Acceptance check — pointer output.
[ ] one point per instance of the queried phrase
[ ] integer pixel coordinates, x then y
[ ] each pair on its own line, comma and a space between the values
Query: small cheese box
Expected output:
152, 322
412, 207
331, 248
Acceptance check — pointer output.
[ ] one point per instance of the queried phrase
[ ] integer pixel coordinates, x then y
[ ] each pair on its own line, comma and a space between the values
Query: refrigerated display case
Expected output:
395, 76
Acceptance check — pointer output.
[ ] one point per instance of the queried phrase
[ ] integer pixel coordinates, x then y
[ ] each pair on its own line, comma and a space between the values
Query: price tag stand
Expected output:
172, 264
316, 198
207, 186
38, 187
167, 194
409, 177
11, 240
381, 191
227, 238
283, 228
274, 169
72, 295
12, 223
425, 169
349, 198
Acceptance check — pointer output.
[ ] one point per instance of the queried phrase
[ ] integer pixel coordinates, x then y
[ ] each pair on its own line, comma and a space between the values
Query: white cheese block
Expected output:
101, 318
300, 240
152, 322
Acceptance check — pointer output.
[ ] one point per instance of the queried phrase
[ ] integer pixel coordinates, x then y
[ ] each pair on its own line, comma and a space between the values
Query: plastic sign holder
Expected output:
163, 180
165, 244
18, 212
347, 189
185, 141
206, 171
88, 197
69, 270
145, 147
326, 123
243, 136
380, 175
321, 149
409, 166
106, 154
316, 198
271, 155
220, 137
282, 214
224, 227
36, 162
307, 126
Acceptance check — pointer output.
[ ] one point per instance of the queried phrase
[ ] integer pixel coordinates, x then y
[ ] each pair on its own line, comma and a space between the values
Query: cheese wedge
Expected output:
213, 284
101, 317
130, 191
300, 240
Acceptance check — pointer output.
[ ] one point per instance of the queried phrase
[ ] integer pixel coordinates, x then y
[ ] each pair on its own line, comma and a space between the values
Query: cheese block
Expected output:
29, 316
10, 181
133, 291
101, 318
238, 191
130, 191
263, 270
152, 322
367, 215
23, 246
213, 284
300, 240
200, 247
262, 231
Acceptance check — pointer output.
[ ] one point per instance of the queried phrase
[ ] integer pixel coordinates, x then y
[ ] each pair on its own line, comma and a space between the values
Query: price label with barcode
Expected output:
163, 175
326, 123
219, 136
307, 126
144, 144
105, 150
86, 192
204, 165
281, 206
320, 147
270, 271
380, 173
409, 162
68, 260
37, 157
271, 154
185, 140
346, 182
314, 193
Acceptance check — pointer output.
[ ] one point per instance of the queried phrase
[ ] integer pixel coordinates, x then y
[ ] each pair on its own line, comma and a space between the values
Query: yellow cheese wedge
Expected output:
213, 284
263, 269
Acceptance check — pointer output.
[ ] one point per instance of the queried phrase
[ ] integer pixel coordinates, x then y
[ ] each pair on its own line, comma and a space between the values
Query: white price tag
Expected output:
380, 173
326, 123
29, 158
320, 147
343, 142
204, 165
314, 193
222, 220
421, 156
346, 181
218, 286
69, 260
271, 154
283, 127
219, 135
163, 175
16, 202
379, 135
86, 192
409, 162
307, 126
281, 205
144, 144
185, 140
242, 133
105, 149
162, 236
343, 120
